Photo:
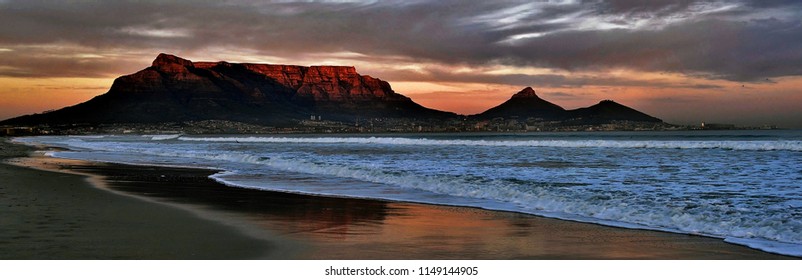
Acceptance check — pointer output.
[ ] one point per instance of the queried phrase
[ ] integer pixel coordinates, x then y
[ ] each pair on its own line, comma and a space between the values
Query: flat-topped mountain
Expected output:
527, 105
174, 89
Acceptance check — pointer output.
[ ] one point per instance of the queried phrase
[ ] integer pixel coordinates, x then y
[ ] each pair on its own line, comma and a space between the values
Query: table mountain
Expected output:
174, 89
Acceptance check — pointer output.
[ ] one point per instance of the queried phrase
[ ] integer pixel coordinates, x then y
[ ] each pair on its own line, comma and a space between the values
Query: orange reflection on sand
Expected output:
416, 231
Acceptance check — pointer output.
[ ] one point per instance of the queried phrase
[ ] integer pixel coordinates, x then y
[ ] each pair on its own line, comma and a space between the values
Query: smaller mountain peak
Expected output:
168, 61
608, 102
527, 92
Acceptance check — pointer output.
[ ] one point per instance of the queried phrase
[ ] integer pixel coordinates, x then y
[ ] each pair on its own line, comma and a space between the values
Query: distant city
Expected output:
322, 126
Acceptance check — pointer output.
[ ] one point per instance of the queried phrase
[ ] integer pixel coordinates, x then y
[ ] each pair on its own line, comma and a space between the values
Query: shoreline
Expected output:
315, 227
51, 215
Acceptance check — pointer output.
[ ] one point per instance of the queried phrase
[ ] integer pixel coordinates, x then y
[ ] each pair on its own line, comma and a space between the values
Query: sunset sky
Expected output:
683, 61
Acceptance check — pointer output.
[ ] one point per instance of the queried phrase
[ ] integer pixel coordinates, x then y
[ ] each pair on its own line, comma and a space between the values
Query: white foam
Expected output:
88, 136
783, 248
771, 145
162, 137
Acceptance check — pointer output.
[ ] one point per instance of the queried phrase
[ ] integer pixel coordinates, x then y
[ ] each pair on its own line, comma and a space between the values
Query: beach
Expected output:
71, 209
51, 215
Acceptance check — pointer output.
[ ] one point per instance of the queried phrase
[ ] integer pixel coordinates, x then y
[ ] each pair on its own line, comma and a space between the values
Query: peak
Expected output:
168, 59
608, 102
527, 92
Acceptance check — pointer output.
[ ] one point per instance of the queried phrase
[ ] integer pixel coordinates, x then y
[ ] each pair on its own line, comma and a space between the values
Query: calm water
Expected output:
744, 186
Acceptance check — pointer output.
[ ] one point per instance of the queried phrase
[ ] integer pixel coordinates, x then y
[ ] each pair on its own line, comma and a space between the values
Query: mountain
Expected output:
608, 110
526, 104
174, 89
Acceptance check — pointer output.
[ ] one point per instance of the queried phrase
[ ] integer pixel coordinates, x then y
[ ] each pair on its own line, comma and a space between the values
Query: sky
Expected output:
684, 61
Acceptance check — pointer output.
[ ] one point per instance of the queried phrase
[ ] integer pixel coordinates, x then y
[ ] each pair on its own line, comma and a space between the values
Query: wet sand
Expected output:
136, 212
49, 215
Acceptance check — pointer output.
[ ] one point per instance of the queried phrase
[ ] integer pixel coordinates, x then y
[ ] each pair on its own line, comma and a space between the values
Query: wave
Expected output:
87, 136
162, 137
767, 145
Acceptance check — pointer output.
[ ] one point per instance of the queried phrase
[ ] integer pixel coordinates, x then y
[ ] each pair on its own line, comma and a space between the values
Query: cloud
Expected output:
732, 40
44, 61
98, 88
636, 6
575, 80
560, 95
158, 33
716, 48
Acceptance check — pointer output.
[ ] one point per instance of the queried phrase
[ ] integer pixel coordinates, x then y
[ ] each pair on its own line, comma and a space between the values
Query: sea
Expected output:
742, 186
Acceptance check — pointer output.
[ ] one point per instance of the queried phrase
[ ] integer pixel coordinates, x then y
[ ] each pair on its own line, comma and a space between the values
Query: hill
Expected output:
526, 105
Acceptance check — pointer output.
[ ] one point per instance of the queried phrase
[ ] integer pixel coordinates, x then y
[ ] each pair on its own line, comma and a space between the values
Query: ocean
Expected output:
742, 186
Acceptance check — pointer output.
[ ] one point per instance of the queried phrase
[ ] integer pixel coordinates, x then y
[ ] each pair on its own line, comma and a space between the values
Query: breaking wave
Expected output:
767, 145
162, 137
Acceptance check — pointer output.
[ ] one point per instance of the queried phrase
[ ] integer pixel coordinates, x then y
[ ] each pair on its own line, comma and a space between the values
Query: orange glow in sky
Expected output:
21, 96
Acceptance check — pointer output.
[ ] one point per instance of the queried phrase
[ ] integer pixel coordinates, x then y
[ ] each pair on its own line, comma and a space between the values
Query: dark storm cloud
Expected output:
714, 48
640, 6
772, 3
745, 42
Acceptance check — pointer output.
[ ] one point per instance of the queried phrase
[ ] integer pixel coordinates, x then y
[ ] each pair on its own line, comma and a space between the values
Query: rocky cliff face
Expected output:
175, 89
317, 83
327, 83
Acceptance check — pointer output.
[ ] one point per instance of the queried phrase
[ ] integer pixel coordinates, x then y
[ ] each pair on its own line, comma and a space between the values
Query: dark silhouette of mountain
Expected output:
526, 104
608, 110
174, 89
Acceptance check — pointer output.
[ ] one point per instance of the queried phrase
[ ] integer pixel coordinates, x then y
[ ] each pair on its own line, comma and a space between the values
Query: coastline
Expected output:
290, 226
56, 215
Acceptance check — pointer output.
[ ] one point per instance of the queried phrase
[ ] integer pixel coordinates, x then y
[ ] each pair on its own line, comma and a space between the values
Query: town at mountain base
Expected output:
175, 94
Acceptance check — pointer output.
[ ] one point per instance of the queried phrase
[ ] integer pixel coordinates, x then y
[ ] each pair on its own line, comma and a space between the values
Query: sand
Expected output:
49, 215
84, 210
